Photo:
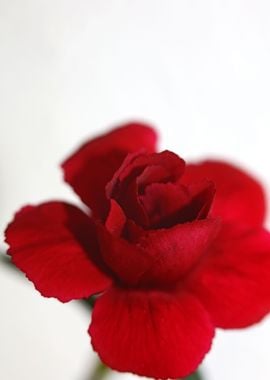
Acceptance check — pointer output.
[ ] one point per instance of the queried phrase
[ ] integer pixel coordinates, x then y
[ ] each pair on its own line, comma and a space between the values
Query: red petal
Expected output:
125, 260
239, 197
175, 250
201, 194
90, 168
116, 219
233, 282
153, 334
130, 202
157, 258
135, 173
165, 166
53, 244
169, 204
162, 200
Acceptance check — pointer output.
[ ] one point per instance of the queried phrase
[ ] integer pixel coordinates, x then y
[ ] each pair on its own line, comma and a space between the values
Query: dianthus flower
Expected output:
172, 251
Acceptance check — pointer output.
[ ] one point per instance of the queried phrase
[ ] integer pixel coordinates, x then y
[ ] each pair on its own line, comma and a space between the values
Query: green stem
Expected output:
5, 260
100, 371
89, 302
194, 376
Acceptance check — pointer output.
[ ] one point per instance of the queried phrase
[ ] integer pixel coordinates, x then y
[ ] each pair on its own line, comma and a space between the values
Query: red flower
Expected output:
174, 250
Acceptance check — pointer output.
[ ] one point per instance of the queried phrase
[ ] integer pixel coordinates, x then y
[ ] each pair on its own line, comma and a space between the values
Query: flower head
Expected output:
172, 250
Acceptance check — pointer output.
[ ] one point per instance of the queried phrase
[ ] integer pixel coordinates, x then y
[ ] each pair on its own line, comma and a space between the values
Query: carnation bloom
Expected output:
172, 250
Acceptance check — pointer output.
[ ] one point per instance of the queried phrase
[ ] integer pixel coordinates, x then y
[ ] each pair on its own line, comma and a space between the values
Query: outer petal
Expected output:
90, 168
53, 244
239, 197
155, 334
233, 282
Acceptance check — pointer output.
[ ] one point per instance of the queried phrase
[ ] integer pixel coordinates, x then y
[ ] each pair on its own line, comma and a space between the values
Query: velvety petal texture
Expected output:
233, 279
54, 244
175, 251
151, 333
92, 166
239, 197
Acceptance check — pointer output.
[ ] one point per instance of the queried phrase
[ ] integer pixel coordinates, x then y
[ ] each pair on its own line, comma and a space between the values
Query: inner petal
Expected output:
173, 203
137, 171
201, 198
161, 200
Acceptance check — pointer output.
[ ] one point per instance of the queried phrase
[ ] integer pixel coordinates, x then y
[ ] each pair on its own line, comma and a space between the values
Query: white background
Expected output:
69, 69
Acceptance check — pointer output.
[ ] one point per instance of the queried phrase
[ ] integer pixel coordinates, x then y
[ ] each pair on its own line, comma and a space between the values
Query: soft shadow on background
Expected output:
198, 70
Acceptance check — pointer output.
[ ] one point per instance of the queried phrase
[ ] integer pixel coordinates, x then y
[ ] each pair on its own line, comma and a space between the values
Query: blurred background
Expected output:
197, 70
